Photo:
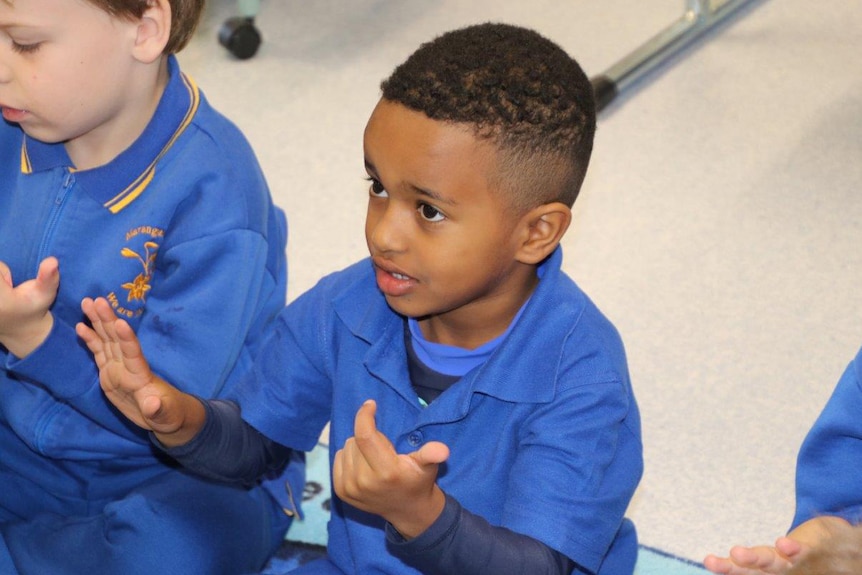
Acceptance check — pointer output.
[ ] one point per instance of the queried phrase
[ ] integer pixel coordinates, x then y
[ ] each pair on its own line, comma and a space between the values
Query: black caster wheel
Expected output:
240, 37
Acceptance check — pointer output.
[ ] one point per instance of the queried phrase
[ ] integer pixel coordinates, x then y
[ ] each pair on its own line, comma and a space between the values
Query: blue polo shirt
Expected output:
544, 437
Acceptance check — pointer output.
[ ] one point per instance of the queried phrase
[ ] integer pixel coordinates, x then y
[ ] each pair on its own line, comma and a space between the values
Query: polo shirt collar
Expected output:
539, 338
541, 334
118, 183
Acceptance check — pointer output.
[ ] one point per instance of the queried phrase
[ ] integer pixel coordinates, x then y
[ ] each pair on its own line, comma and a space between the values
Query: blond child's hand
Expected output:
369, 474
25, 319
127, 381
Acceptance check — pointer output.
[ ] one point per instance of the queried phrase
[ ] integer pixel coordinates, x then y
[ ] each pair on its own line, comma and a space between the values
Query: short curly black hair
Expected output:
519, 90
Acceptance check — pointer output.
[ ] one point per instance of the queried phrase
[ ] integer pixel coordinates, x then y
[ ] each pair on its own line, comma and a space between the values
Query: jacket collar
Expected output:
118, 183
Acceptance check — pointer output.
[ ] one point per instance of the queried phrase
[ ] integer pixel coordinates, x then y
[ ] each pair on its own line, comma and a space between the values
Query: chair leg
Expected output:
239, 34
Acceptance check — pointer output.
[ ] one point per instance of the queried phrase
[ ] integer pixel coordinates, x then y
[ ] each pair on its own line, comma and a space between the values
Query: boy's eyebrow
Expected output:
369, 167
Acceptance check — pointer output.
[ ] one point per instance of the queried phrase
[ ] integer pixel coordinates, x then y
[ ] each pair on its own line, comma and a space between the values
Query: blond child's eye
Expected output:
25, 48
430, 213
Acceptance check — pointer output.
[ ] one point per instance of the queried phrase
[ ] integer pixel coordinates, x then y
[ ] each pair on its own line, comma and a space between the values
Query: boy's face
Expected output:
442, 241
65, 71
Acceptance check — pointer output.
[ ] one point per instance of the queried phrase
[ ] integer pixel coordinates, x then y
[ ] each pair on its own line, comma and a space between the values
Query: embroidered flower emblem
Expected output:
141, 285
138, 289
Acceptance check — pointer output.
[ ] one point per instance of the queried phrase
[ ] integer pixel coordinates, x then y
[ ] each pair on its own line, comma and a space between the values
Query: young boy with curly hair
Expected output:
115, 170
482, 417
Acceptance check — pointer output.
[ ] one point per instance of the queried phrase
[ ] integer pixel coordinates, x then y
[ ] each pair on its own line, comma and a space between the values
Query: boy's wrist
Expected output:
419, 517
194, 417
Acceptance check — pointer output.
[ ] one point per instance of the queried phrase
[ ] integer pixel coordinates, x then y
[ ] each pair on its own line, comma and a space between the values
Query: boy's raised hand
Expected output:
25, 319
125, 376
369, 474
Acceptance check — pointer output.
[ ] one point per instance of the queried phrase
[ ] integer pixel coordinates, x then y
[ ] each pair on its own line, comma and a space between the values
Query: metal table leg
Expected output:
699, 16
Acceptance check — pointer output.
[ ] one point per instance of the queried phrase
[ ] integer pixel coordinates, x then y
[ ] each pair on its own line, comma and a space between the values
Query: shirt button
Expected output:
415, 438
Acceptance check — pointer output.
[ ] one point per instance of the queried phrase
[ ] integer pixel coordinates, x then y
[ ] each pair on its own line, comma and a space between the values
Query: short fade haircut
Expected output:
516, 89
185, 15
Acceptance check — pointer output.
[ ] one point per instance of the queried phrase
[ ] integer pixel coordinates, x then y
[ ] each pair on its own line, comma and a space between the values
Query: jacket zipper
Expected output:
54, 217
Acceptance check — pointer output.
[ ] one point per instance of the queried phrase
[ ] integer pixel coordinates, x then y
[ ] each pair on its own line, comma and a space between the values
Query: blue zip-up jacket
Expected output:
180, 234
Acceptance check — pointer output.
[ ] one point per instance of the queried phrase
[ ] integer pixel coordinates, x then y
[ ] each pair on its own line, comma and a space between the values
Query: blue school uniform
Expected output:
179, 233
828, 481
544, 436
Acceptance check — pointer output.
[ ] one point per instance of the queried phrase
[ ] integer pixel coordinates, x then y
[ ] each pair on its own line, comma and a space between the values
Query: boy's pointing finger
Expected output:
373, 445
364, 424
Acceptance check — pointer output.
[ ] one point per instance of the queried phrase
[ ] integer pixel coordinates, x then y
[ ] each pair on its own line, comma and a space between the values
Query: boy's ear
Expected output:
544, 227
153, 31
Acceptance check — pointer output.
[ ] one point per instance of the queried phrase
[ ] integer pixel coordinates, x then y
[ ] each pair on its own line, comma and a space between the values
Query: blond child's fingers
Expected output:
5, 274
48, 277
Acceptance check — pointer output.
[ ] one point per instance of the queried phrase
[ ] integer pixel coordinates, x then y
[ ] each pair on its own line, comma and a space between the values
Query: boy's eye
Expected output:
377, 189
430, 213
25, 48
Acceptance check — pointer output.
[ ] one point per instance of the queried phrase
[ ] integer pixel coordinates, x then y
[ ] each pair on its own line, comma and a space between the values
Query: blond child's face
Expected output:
65, 70
441, 239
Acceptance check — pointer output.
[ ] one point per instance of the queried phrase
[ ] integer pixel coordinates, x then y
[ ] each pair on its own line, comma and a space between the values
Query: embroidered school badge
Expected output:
142, 246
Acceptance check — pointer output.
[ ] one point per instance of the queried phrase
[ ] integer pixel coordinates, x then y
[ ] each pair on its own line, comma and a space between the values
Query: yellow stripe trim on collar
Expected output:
26, 167
136, 188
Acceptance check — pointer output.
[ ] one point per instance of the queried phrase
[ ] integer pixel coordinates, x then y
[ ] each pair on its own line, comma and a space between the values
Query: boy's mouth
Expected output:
391, 282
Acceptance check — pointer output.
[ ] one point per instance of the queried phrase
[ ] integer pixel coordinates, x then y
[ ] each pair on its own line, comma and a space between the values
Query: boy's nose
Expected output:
387, 231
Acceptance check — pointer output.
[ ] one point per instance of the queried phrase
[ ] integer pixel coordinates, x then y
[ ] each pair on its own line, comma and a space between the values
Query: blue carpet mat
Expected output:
306, 539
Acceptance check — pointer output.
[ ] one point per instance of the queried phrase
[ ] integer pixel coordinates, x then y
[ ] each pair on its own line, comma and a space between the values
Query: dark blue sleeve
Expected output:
464, 543
228, 449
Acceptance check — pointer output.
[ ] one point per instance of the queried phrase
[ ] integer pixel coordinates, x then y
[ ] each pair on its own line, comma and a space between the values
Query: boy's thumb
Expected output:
432, 453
